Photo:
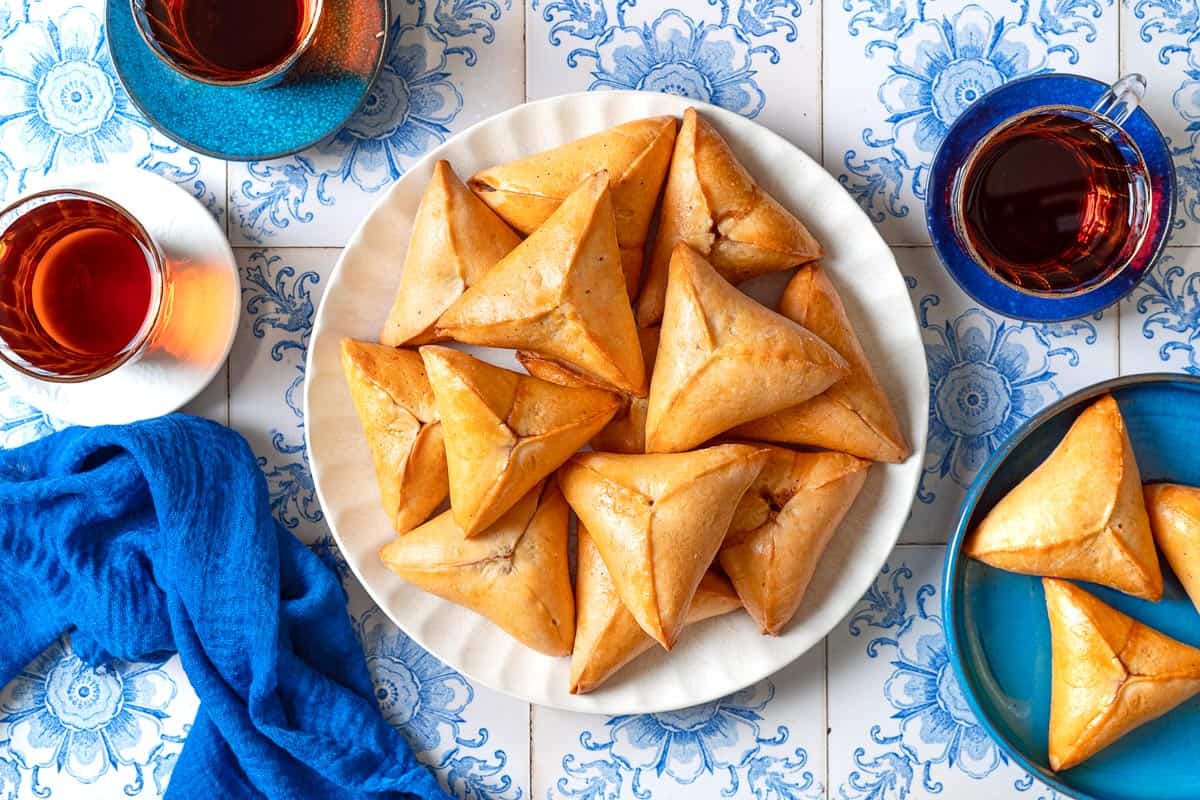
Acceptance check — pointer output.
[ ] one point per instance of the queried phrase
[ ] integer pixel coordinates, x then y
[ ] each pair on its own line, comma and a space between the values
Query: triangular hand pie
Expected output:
1174, 512
455, 240
635, 155
607, 637
627, 431
396, 407
1111, 674
852, 416
515, 573
505, 431
658, 521
712, 204
723, 359
560, 294
1079, 515
781, 528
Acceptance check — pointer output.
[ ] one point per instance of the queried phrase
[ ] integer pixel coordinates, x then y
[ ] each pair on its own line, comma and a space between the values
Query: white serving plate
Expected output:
715, 657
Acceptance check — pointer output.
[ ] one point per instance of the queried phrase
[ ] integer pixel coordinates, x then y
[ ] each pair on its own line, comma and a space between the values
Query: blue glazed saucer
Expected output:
1002, 104
248, 123
997, 634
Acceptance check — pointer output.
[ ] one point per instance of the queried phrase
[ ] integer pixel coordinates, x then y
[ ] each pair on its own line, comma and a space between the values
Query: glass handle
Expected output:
1122, 98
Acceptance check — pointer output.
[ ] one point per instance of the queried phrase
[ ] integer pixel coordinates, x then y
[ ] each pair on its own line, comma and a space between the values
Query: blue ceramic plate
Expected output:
1003, 103
246, 123
996, 629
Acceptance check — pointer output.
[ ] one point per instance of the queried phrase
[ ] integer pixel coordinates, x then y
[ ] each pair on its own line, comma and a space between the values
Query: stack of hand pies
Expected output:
545, 256
1084, 515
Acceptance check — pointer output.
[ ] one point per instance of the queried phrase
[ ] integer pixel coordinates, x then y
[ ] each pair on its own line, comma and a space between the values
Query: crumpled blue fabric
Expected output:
157, 537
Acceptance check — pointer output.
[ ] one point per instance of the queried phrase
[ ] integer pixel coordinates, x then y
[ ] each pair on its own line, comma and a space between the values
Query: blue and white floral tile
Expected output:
1161, 40
899, 72
902, 729
760, 58
765, 742
987, 375
62, 106
448, 65
1160, 320
477, 740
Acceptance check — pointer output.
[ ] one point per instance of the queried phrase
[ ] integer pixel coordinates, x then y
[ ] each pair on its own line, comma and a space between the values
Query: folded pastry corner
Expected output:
713, 204
723, 359
781, 528
560, 294
1111, 674
851, 416
658, 521
1174, 512
635, 155
505, 431
455, 240
626, 433
607, 637
515, 573
1080, 515
395, 405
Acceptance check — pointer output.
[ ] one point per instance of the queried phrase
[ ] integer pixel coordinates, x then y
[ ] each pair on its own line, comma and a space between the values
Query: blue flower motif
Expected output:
83, 719
680, 747
936, 723
1170, 298
21, 423
61, 104
408, 111
674, 55
416, 692
985, 378
942, 66
10, 780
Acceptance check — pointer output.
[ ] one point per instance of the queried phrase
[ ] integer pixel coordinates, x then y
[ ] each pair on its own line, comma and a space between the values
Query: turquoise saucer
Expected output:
322, 91
997, 634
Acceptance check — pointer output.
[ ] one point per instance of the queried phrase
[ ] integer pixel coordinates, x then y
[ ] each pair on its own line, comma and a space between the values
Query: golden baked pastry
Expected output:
658, 521
1079, 515
560, 294
515, 573
455, 240
712, 204
635, 155
723, 359
627, 431
1111, 674
782, 526
1174, 513
396, 407
505, 431
851, 416
607, 637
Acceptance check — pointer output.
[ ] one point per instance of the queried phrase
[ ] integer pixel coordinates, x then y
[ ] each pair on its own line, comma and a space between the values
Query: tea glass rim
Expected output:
278, 71
158, 274
957, 188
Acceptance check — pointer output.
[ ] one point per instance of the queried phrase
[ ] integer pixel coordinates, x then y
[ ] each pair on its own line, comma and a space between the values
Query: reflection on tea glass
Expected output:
228, 42
1054, 201
81, 286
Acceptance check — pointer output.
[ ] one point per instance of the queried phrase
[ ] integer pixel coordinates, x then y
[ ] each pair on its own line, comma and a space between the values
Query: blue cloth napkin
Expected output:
157, 537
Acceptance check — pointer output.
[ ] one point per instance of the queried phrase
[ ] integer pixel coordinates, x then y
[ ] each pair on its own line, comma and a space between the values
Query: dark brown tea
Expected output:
77, 284
1050, 204
229, 40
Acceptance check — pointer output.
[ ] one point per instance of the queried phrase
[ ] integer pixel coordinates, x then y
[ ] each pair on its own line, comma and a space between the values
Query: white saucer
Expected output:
198, 335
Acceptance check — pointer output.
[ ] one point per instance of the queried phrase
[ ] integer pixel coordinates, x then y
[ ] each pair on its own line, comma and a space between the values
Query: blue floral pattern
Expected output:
941, 57
62, 714
987, 376
724, 738
409, 110
711, 57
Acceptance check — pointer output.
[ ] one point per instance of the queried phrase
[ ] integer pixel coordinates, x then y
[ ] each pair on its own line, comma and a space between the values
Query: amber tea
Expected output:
80, 285
1051, 203
229, 41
